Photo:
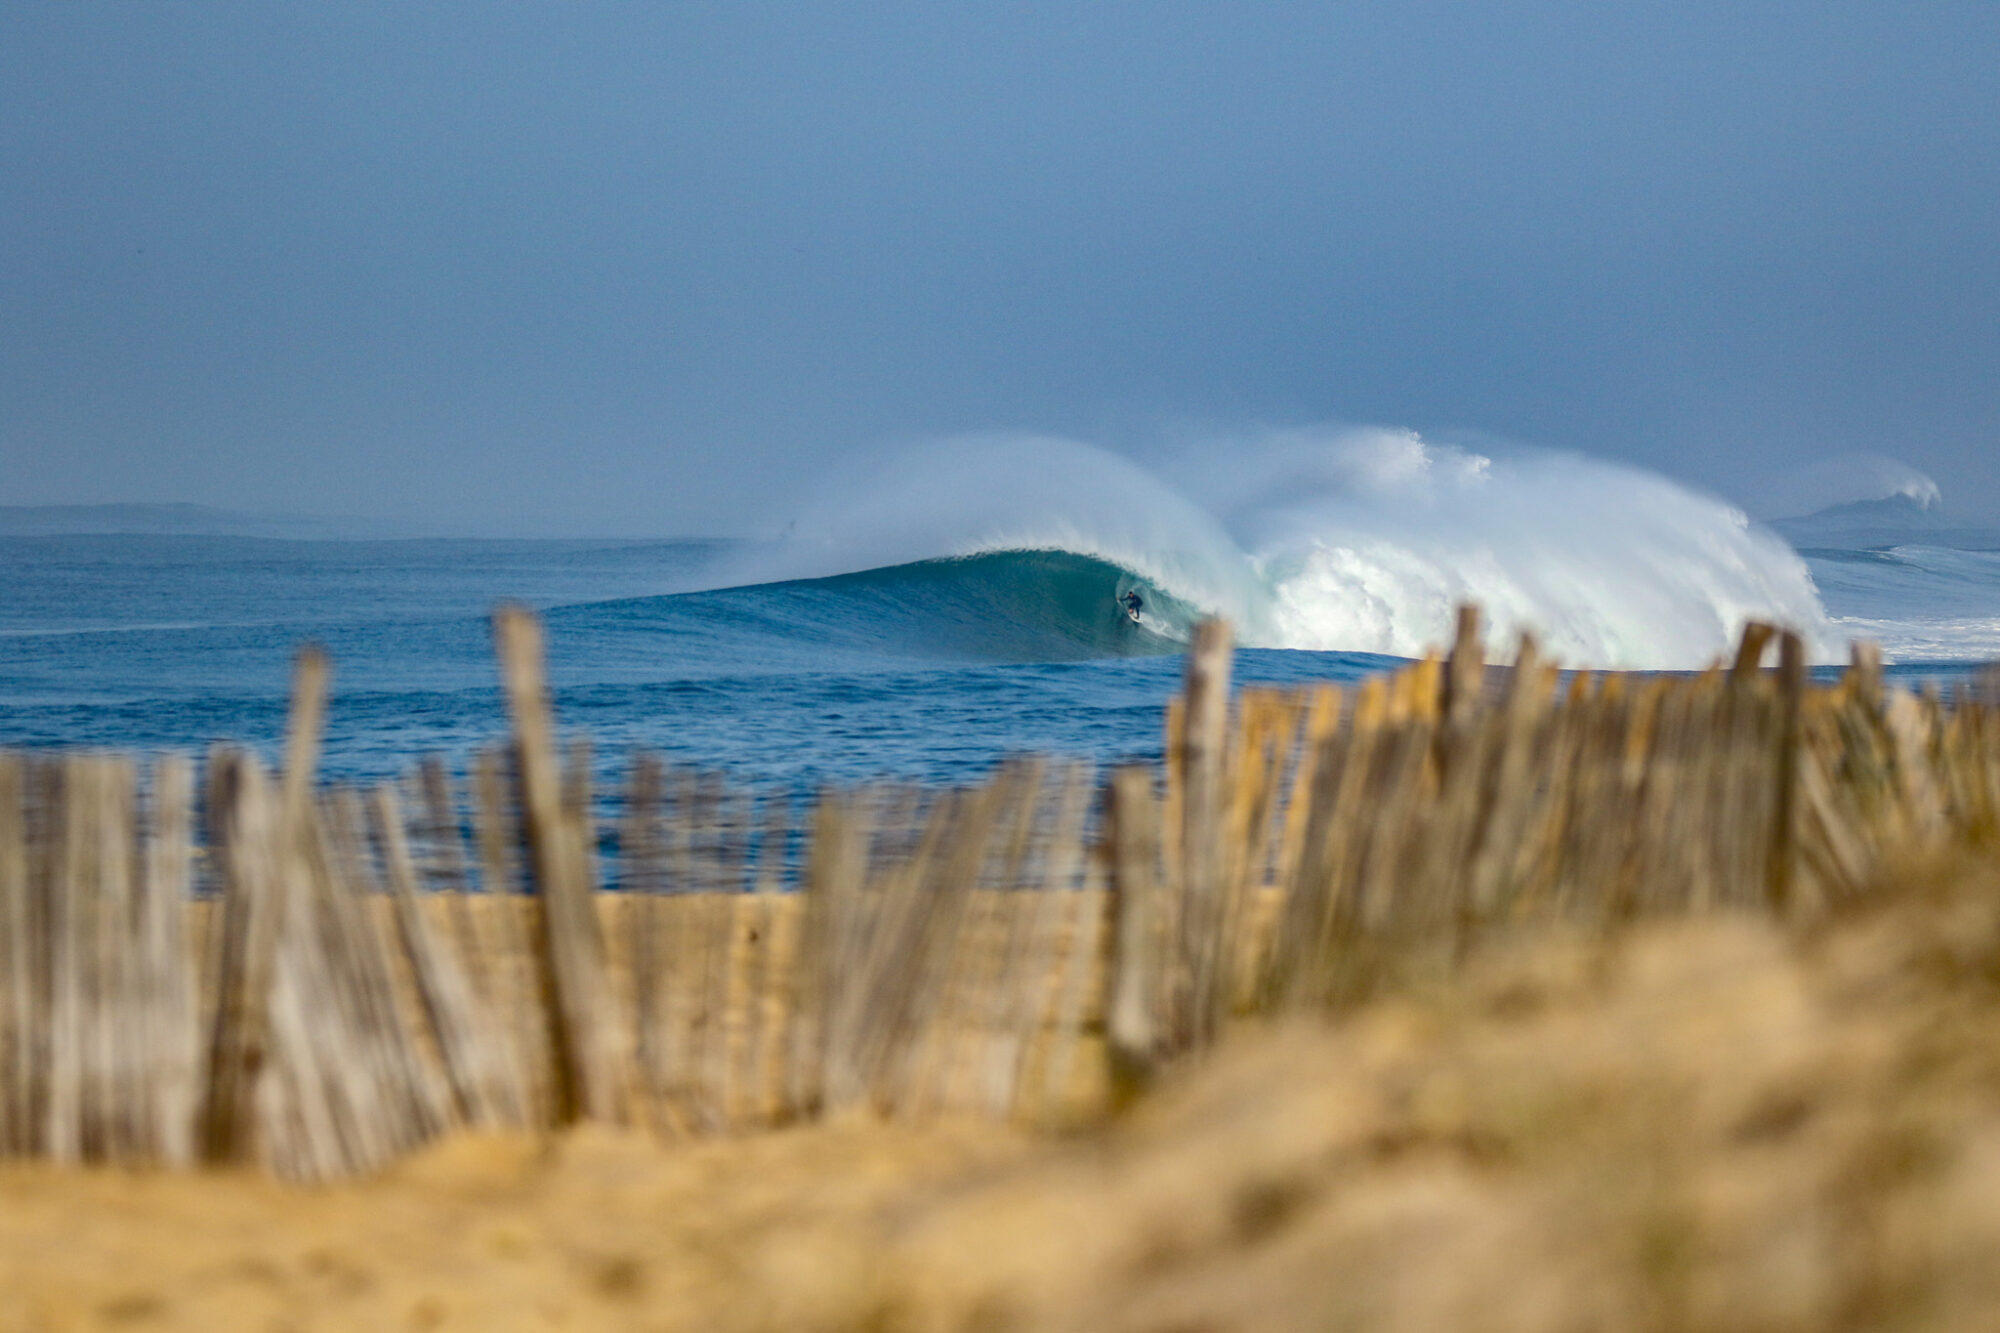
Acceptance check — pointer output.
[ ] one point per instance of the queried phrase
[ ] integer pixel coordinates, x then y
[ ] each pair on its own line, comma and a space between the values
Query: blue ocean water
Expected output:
930, 673
930, 670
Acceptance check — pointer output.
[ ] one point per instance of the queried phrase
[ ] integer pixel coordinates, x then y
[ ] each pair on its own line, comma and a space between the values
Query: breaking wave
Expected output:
1337, 540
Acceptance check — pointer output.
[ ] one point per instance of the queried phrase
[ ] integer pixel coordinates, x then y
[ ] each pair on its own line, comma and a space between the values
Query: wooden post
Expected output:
1322, 724
1080, 926
1132, 1019
302, 735
473, 937
1782, 868
779, 1009
836, 864
171, 1015
1490, 878
1205, 924
247, 940
18, 1000
516, 970
263, 859
1864, 675
642, 873
475, 1064
1465, 676
570, 942
1757, 637
71, 901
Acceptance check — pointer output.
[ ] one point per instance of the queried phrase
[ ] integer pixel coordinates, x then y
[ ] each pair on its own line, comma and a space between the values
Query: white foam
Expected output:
1609, 565
1927, 639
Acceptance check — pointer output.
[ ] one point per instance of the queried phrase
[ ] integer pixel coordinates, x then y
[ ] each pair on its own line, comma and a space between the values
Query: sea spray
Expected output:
982, 494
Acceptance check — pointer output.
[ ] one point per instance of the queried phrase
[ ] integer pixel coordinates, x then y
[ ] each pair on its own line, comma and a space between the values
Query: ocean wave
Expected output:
1330, 540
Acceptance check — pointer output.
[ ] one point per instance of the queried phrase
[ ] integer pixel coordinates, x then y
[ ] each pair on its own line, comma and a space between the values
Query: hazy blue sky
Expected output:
650, 266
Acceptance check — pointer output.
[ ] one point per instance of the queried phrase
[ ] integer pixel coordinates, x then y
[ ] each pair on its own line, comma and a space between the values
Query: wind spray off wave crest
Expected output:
1375, 535
1345, 540
982, 494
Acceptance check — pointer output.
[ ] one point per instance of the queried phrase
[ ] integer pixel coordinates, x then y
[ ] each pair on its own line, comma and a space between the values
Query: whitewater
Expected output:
1350, 540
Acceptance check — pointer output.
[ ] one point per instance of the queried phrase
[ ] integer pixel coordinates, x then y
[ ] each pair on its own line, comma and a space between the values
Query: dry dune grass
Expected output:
1712, 1124
1705, 1125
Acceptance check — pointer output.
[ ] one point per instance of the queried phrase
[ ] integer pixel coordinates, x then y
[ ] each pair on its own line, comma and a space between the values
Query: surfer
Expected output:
1133, 604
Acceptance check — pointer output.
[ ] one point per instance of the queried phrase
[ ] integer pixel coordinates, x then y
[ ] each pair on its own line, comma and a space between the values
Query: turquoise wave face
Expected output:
997, 607
1002, 606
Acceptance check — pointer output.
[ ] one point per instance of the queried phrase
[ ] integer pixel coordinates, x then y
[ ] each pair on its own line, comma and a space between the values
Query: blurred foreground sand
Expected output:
1704, 1125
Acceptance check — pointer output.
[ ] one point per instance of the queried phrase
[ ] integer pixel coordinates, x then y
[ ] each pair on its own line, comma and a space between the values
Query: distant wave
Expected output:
1348, 540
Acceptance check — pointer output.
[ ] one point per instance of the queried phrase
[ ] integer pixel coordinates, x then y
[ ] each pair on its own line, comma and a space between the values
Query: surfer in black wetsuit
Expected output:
1133, 603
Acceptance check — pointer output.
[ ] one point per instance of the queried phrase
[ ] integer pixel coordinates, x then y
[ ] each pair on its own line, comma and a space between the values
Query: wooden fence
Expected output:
317, 979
